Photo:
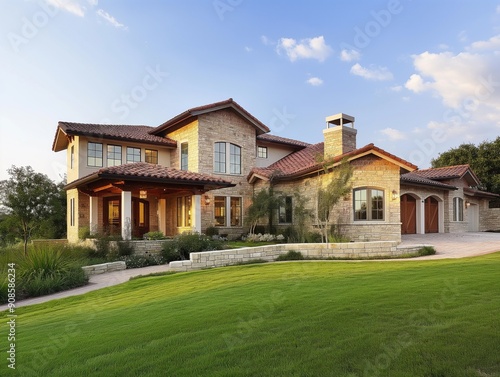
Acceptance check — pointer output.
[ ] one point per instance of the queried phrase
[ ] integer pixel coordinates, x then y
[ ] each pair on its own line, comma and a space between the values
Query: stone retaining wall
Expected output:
102, 268
147, 247
219, 258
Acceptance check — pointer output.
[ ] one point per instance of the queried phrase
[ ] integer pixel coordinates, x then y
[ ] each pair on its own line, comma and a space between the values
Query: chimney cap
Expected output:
340, 119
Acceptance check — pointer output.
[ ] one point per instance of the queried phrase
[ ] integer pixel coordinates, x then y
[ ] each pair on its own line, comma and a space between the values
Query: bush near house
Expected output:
184, 244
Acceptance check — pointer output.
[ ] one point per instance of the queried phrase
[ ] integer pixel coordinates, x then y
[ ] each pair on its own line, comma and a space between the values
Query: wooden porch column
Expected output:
94, 218
197, 213
126, 215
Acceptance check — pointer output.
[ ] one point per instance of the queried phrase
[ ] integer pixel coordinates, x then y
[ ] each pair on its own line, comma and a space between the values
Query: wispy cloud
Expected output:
393, 134
315, 81
309, 48
93, 3
349, 55
396, 88
266, 41
109, 18
371, 73
248, 49
498, 9
491, 44
71, 6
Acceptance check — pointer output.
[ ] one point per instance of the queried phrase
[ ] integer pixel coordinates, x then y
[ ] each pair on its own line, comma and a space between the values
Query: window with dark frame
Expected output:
179, 211
285, 211
133, 154
151, 156
235, 207
184, 156
94, 154
114, 155
261, 152
220, 157
221, 163
72, 212
220, 210
368, 204
235, 159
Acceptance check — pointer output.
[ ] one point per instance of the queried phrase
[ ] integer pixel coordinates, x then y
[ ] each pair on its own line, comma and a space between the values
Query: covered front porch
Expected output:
133, 199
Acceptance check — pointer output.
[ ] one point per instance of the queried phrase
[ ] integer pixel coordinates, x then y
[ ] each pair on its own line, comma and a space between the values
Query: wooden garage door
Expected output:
431, 215
408, 214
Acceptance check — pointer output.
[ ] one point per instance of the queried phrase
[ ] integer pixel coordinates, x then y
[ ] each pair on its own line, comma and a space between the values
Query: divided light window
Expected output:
285, 211
114, 155
151, 156
94, 154
458, 209
368, 204
262, 152
184, 204
221, 163
133, 154
184, 156
221, 206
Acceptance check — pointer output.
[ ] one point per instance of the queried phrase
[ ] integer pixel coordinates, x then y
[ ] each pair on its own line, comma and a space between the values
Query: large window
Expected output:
151, 156
262, 152
184, 211
184, 156
94, 154
133, 154
221, 206
221, 163
458, 209
114, 155
368, 204
285, 211
72, 157
72, 212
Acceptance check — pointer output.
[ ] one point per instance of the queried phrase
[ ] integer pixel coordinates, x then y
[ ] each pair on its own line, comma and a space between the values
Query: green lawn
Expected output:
413, 318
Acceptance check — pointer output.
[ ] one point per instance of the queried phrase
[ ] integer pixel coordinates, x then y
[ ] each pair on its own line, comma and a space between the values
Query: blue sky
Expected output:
419, 76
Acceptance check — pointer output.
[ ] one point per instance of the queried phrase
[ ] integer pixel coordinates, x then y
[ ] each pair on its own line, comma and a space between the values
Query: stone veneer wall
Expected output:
489, 219
102, 268
219, 258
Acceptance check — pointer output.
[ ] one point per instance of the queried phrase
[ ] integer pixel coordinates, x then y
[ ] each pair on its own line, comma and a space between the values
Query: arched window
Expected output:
222, 164
368, 204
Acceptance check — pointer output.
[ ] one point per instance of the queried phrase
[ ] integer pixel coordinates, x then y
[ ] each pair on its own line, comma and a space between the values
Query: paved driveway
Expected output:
456, 245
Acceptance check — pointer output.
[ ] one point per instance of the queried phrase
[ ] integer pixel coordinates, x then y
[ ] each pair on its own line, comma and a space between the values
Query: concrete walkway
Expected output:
447, 246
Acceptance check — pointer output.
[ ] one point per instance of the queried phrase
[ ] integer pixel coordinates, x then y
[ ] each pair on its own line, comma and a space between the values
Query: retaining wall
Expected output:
102, 268
219, 258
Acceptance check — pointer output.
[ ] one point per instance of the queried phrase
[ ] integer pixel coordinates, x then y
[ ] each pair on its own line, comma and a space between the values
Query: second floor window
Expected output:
221, 163
262, 152
94, 154
151, 156
184, 156
114, 155
133, 154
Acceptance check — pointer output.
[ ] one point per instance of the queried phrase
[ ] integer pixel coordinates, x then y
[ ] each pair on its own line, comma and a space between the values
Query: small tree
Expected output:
300, 215
261, 207
338, 187
28, 198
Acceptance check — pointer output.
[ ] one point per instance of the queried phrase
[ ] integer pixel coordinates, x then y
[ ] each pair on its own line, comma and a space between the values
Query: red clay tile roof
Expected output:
115, 132
416, 179
282, 140
447, 172
195, 111
308, 160
480, 193
142, 171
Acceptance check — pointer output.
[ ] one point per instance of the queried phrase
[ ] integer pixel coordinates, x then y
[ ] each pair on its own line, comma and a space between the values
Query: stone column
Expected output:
197, 213
126, 214
94, 218
162, 216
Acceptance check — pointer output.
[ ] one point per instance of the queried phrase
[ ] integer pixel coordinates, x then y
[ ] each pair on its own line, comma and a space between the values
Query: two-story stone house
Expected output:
201, 168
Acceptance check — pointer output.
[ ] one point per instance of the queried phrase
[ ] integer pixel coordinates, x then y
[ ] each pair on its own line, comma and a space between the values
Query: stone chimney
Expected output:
339, 138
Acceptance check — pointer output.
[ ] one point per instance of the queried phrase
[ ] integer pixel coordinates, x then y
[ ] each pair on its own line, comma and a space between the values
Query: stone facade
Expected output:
102, 268
339, 140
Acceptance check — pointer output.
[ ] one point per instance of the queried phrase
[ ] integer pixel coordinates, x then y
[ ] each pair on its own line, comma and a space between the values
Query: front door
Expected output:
408, 214
431, 215
140, 217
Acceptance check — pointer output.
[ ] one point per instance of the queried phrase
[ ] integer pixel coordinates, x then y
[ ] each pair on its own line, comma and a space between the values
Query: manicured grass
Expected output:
413, 318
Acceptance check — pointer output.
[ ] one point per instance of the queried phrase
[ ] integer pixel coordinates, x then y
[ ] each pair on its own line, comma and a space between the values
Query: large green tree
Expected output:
484, 160
30, 200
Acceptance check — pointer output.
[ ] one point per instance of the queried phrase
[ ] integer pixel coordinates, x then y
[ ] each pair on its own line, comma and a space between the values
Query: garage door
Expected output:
408, 214
431, 215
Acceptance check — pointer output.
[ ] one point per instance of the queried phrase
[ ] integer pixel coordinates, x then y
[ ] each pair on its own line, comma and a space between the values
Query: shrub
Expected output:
426, 250
138, 261
212, 231
187, 243
124, 248
259, 237
84, 233
313, 237
154, 235
170, 252
290, 255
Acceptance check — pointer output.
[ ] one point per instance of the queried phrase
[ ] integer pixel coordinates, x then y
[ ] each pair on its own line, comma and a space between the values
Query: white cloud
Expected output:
416, 84
310, 48
315, 81
393, 134
396, 88
109, 18
248, 49
266, 41
93, 3
71, 6
349, 55
372, 73
491, 44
